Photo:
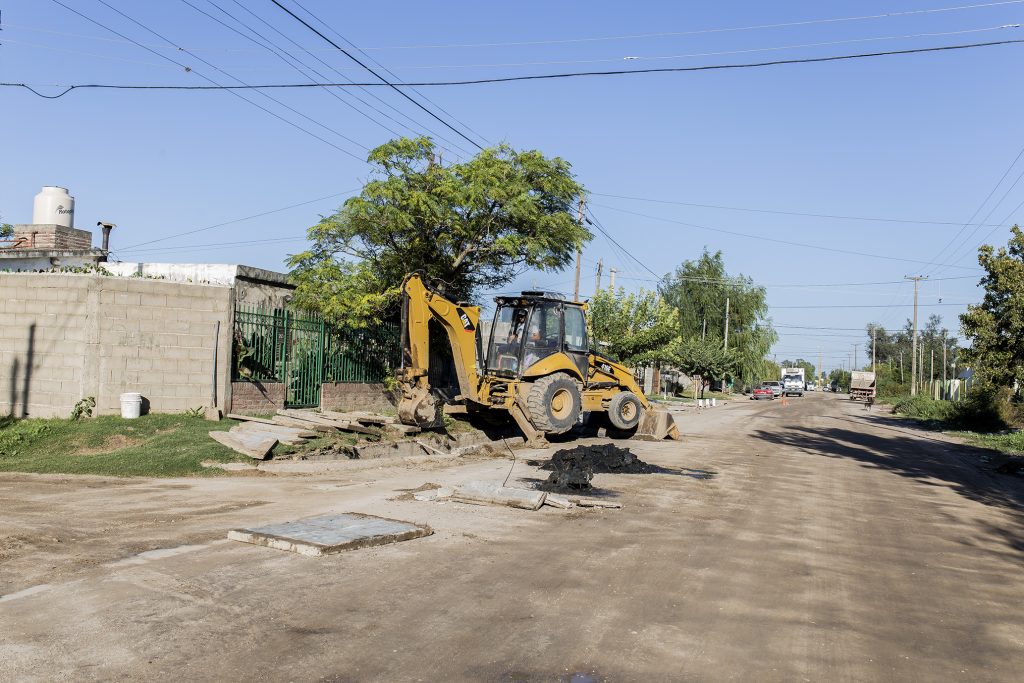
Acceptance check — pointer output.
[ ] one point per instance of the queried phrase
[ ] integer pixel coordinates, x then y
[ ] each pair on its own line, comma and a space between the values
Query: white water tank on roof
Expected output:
54, 206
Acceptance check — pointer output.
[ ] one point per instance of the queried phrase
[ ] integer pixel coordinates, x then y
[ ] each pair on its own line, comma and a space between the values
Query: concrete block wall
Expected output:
64, 337
253, 398
353, 396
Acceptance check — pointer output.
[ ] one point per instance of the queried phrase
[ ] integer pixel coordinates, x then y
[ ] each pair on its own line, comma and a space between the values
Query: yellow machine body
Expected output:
543, 383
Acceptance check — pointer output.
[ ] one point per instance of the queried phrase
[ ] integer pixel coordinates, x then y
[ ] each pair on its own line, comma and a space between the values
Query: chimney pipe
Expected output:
107, 227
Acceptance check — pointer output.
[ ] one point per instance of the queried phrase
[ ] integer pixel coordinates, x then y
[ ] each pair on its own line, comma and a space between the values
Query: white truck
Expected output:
793, 381
862, 386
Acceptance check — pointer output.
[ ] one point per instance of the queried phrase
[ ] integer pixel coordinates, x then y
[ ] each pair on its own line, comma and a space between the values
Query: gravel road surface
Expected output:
816, 541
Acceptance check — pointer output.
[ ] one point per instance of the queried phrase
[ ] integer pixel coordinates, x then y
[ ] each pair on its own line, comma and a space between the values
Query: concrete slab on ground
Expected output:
331, 533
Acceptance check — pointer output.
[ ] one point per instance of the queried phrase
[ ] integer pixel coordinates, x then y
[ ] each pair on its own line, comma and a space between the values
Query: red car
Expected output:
762, 392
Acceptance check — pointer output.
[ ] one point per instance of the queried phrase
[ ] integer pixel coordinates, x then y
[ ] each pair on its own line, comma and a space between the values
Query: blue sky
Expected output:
917, 138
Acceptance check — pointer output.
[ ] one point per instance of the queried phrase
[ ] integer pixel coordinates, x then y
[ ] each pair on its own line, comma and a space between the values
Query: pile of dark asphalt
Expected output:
572, 469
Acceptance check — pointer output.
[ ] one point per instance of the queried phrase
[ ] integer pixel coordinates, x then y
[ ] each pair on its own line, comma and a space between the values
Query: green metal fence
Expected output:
303, 351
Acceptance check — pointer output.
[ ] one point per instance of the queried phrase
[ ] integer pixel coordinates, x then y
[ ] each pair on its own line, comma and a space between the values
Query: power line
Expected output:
771, 239
383, 80
276, 51
390, 72
281, 51
239, 220
718, 53
806, 22
956, 253
509, 79
216, 85
966, 303
593, 220
786, 213
212, 245
980, 206
740, 280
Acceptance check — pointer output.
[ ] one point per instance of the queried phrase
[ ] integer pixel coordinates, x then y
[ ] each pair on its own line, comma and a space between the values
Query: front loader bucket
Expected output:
657, 424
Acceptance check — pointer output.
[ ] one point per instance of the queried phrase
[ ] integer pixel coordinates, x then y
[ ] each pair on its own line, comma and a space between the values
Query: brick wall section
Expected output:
51, 236
256, 398
352, 396
64, 337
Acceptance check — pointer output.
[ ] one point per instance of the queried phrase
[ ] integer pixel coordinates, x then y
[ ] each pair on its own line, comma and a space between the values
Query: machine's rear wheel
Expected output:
554, 403
624, 410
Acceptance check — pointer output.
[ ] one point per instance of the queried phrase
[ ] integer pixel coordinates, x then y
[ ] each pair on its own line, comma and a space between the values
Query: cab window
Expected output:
575, 329
545, 333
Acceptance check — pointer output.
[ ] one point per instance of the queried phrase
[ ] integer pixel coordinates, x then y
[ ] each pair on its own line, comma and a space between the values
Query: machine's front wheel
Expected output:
624, 410
554, 403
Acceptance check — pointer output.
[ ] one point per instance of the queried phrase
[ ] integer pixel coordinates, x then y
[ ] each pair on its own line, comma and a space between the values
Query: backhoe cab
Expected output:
535, 363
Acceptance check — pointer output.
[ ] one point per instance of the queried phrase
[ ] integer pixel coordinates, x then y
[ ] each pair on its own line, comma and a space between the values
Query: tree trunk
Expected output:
656, 378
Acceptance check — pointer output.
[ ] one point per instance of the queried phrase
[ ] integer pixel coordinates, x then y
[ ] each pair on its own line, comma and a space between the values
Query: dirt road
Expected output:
818, 541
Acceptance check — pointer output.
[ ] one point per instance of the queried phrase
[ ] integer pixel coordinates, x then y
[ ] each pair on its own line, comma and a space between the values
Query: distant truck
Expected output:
793, 381
862, 386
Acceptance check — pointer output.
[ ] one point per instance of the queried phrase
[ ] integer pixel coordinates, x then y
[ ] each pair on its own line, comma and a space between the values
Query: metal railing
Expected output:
303, 351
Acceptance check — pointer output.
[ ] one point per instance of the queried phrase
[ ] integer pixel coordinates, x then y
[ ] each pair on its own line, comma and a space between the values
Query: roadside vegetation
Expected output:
991, 413
150, 446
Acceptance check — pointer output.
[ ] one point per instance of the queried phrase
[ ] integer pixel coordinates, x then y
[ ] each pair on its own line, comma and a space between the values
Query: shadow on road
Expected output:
909, 453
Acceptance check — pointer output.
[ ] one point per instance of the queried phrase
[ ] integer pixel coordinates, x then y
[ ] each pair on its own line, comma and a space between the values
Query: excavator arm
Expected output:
420, 305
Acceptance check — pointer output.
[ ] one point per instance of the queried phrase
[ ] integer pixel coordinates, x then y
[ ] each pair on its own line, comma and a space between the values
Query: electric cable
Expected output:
509, 79
389, 71
216, 85
771, 239
806, 22
787, 213
383, 80
980, 207
239, 220
329, 66
718, 53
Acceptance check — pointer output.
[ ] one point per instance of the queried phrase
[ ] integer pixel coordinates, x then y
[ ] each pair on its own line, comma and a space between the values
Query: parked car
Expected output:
776, 388
763, 392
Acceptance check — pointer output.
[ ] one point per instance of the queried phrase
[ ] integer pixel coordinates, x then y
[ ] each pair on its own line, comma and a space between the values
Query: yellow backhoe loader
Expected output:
536, 364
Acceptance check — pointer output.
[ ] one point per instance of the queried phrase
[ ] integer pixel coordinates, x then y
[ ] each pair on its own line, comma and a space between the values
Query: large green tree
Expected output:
699, 290
468, 226
638, 329
995, 327
702, 359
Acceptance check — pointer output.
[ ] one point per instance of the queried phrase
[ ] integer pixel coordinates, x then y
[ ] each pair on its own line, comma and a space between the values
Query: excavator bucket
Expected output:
417, 407
656, 425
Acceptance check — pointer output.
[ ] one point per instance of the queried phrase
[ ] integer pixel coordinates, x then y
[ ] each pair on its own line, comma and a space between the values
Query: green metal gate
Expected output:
302, 351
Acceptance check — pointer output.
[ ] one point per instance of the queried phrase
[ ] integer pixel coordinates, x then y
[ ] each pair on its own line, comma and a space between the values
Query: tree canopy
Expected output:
470, 226
638, 328
698, 290
995, 327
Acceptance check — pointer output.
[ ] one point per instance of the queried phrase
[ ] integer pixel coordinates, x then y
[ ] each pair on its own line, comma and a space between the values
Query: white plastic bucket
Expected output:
131, 405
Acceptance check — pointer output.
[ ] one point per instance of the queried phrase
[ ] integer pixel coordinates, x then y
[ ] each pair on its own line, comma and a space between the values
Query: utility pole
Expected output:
931, 374
944, 385
600, 267
873, 336
727, 323
611, 277
854, 366
913, 367
579, 254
